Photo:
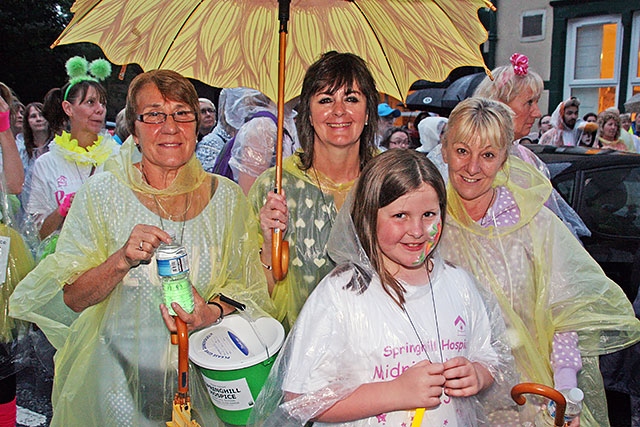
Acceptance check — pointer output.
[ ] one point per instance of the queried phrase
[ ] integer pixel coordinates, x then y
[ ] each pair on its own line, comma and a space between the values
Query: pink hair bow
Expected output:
520, 64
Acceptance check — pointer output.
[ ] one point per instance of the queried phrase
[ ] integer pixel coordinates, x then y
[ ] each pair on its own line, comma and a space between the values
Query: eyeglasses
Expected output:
207, 111
156, 118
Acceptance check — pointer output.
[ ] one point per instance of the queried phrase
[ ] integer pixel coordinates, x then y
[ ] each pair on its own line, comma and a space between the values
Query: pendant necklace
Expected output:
435, 315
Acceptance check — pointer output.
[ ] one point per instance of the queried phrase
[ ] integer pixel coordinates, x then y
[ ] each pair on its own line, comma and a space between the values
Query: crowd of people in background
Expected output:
383, 217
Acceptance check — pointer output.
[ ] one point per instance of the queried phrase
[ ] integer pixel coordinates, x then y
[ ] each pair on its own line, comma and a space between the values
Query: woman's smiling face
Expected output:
338, 118
473, 165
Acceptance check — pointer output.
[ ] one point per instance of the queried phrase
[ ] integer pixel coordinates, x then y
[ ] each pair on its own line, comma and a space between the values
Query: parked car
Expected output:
603, 187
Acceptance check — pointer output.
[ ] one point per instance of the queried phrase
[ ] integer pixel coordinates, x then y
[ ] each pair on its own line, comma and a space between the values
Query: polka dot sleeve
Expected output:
565, 360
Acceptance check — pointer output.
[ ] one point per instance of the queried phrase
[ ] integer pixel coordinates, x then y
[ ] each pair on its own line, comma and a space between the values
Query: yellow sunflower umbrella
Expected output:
231, 43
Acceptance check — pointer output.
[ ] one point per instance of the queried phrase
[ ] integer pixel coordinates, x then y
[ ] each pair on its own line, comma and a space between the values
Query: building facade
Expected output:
584, 48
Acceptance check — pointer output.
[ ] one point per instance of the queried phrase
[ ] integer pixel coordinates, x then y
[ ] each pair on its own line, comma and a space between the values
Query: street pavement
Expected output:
34, 384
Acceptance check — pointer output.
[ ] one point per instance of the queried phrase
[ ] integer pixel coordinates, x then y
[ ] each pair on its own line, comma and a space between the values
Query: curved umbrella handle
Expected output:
541, 390
279, 255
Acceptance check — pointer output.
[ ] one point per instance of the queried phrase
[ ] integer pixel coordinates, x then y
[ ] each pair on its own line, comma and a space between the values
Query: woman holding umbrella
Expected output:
337, 122
115, 363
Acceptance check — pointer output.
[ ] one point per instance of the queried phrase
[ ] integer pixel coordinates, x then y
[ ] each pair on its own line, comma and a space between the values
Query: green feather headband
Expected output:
80, 70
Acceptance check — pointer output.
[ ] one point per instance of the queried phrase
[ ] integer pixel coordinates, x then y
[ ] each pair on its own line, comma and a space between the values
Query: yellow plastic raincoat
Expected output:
115, 365
545, 282
14, 344
312, 211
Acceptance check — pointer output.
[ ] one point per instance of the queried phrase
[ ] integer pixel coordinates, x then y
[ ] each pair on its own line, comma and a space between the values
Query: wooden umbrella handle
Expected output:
545, 391
280, 247
279, 255
183, 357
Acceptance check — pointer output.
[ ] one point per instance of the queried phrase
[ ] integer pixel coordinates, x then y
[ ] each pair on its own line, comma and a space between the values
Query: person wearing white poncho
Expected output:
362, 353
555, 298
97, 297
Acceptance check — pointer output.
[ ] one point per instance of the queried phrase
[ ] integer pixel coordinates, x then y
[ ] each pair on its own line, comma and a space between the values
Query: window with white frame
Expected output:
593, 61
634, 62
532, 25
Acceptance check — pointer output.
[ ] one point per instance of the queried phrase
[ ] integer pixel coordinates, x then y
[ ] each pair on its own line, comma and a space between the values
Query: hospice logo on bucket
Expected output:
232, 395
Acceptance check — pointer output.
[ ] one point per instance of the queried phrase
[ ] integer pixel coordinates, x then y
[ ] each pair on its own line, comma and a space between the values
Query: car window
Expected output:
565, 186
610, 201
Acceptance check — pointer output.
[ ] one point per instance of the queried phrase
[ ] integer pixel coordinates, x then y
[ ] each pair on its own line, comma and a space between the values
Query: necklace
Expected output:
169, 216
84, 178
493, 196
339, 191
184, 215
435, 315
315, 173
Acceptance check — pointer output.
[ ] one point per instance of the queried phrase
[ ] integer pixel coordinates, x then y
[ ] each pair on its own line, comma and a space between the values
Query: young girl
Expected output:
393, 327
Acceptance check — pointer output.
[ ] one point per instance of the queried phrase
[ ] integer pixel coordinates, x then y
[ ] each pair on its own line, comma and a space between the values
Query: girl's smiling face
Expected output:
407, 230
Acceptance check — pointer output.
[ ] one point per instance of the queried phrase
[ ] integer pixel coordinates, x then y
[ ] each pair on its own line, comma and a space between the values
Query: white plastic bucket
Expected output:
235, 357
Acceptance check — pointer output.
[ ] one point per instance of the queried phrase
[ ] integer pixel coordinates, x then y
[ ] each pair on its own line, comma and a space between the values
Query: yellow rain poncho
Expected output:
545, 282
312, 211
115, 365
13, 342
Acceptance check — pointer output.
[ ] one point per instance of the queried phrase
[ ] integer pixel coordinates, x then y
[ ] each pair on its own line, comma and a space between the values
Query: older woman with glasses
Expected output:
97, 296
208, 117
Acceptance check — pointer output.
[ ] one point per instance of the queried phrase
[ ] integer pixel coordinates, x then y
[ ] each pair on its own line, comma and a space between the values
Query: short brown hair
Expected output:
171, 85
607, 115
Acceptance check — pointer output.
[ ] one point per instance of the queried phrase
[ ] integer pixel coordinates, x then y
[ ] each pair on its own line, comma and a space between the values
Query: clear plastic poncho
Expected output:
15, 262
311, 199
559, 134
555, 202
351, 332
115, 365
545, 282
208, 149
254, 148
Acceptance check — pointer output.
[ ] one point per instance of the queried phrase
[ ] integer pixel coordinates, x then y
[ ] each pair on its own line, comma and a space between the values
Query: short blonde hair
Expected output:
482, 118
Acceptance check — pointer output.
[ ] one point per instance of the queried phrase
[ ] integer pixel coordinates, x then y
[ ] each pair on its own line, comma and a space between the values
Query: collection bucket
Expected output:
234, 358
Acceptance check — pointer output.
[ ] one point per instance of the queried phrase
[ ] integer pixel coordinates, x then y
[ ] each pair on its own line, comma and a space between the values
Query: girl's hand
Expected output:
274, 214
203, 314
464, 378
421, 385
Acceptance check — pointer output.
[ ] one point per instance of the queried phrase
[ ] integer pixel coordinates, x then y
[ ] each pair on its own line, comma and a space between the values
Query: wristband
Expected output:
219, 319
65, 205
268, 267
5, 122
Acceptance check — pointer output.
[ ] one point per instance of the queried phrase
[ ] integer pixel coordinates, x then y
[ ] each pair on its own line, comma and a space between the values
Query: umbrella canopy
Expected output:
426, 99
231, 43
633, 104
444, 99
461, 89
